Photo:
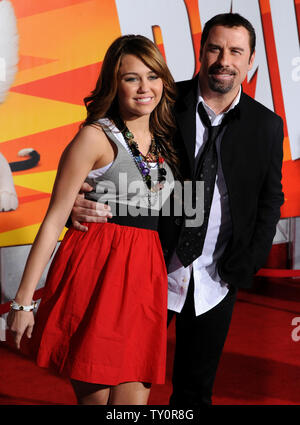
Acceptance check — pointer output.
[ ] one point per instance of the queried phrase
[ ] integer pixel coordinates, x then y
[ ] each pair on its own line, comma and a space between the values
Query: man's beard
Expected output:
217, 85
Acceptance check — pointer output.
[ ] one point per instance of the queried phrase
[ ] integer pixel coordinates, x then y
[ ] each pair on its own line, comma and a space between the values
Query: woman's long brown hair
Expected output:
103, 102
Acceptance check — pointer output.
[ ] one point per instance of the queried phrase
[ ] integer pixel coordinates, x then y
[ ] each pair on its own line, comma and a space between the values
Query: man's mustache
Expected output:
214, 69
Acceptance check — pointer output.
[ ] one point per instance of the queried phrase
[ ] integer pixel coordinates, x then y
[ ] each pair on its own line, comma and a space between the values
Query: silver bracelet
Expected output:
16, 306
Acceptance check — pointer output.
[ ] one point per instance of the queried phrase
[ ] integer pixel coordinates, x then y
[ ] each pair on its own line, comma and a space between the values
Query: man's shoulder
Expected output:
186, 86
184, 83
257, 109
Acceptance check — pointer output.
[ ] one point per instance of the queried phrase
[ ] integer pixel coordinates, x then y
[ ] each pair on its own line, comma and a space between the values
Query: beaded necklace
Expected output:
142, 161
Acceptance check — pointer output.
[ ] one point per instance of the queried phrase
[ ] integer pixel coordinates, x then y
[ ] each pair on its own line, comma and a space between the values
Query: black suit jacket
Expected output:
251, 159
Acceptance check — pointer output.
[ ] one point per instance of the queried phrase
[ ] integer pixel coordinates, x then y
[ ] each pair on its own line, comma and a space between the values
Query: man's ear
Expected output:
251, 60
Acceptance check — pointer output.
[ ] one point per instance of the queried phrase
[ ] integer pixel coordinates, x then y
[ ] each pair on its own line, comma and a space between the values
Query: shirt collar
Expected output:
212, 115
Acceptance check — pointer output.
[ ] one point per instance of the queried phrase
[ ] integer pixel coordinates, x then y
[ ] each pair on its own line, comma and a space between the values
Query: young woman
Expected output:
102, 319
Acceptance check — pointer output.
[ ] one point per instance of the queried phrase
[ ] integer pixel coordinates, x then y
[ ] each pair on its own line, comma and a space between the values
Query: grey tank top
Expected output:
122, 187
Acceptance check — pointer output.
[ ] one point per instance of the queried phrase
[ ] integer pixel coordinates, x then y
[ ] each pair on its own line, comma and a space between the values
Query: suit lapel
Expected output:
231, 141
185, 113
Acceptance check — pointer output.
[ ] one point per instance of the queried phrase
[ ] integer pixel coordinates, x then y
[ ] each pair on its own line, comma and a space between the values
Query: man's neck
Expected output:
218, 102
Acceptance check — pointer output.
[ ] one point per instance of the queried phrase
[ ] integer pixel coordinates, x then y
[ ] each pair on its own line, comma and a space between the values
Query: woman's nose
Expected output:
144, 85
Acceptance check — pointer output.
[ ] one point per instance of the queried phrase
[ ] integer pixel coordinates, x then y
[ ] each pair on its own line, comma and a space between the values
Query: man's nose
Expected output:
224, 58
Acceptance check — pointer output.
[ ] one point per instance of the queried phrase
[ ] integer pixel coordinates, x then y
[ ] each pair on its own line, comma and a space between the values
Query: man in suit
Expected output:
207, 265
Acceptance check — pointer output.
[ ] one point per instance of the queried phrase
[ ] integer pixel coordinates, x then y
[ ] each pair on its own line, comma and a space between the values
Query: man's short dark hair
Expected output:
230, 20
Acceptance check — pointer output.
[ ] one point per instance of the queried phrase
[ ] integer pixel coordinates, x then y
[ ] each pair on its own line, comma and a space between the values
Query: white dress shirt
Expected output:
209, 287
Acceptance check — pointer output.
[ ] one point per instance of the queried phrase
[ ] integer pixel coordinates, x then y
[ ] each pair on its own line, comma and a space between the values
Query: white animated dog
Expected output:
8, 69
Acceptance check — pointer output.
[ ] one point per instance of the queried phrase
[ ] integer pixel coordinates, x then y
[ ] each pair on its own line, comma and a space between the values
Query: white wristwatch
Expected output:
16, 306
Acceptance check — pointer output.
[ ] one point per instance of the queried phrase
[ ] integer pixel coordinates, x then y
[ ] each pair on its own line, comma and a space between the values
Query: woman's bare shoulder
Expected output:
94, 131
92, 135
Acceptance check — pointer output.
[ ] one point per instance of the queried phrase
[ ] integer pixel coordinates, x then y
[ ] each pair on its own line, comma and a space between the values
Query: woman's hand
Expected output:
18, 323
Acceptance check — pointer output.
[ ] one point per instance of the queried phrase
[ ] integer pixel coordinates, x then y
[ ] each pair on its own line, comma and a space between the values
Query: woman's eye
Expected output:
153, 77
130, 79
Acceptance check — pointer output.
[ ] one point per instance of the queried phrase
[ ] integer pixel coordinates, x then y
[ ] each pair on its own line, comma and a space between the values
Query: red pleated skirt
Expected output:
103, 315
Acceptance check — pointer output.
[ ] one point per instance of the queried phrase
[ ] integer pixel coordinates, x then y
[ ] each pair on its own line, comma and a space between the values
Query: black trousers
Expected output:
199, 344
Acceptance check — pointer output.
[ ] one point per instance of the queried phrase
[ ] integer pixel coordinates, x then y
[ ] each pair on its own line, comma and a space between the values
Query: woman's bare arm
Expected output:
77, 160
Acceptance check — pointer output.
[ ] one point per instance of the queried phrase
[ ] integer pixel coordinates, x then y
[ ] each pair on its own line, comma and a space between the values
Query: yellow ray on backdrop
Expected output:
43, 182
22, 115
24, 237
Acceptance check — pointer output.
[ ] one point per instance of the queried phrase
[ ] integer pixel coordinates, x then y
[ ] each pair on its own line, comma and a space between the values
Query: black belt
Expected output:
140, 217
141, 222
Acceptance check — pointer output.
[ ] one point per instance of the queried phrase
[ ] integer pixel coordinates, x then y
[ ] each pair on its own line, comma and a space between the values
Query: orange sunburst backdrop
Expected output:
62, 44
